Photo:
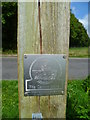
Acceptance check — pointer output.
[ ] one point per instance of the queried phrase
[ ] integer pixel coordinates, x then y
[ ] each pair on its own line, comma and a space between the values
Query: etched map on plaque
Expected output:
44, 74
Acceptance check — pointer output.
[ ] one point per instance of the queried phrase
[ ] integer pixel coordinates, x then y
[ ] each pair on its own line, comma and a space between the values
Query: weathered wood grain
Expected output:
55, 18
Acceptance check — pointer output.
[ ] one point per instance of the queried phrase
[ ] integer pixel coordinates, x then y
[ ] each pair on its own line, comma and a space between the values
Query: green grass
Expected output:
0, 51
10, 99
9, 52
73, 52
77, 99
78, 52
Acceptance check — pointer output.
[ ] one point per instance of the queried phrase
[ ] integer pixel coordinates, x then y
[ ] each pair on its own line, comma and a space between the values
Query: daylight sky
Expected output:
80, 10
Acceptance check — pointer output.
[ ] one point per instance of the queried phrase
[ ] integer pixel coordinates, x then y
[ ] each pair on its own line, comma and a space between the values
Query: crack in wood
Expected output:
40, 29
39, 18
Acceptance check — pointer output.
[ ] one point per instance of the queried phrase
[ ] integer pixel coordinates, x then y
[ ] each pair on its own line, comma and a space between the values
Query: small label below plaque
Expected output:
44, 74
37, 116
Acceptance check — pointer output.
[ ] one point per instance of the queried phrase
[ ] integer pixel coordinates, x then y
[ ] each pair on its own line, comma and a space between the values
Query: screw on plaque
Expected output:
25, 56
64, 56
62, 92
25, 94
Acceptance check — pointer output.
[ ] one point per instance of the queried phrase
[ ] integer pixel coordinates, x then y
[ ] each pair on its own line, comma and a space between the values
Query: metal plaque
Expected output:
44, 74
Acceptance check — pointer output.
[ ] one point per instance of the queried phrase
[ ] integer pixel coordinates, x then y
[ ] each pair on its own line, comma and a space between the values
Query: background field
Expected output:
73, 52
78, 52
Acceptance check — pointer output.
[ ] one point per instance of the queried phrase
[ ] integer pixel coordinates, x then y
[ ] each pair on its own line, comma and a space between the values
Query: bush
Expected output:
86, 85
9, 26
77, 99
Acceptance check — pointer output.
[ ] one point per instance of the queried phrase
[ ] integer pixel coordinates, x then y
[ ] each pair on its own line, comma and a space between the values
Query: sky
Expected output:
81, 10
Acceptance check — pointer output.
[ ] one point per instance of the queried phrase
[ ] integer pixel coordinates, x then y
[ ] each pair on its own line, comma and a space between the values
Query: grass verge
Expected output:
9, 52
73, 52
78, 52
10, 99
77, 99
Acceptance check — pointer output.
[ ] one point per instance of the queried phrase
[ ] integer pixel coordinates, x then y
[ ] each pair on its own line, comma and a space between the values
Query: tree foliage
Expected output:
78, 34
9, 25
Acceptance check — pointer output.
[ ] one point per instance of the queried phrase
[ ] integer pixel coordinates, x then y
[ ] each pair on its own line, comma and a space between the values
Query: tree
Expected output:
78, 34
9, 25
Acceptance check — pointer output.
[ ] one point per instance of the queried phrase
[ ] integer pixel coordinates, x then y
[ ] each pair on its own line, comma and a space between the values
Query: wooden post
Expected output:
42, 30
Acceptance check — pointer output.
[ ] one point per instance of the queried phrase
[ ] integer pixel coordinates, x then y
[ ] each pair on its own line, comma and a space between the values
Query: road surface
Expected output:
78, 68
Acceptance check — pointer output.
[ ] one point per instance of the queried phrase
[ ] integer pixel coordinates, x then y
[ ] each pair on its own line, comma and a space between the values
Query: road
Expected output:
78, 68
9, 68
